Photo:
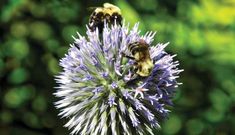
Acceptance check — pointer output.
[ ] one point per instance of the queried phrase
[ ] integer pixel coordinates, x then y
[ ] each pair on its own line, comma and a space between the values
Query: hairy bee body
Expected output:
140, 53
108, 13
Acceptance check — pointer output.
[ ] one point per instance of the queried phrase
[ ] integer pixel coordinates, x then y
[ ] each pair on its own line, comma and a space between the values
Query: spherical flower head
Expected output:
98, 93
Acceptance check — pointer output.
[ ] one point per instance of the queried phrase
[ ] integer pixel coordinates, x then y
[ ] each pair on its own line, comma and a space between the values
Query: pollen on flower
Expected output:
100, 92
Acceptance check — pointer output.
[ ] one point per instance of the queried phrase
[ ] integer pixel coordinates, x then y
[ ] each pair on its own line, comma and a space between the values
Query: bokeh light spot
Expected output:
68, 31
64, 14
194, 127
15, 97
12, 99
173, 125
6, 117
219, 100
20, 49
213, 115
19, 30
39, 104
40, 30
52, 45
53, 66
18, 75
31, 120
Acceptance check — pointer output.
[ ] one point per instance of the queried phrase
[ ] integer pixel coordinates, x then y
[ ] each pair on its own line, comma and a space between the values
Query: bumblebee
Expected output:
140, 53
108, 13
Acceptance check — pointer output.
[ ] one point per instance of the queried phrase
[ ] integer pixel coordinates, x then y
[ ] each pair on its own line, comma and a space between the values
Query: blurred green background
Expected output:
34, 35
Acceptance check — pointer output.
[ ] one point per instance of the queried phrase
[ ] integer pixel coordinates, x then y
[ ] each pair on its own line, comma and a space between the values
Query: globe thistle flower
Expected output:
97, 93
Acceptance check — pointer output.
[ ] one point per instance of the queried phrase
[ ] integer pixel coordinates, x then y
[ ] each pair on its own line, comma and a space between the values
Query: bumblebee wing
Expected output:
92, 8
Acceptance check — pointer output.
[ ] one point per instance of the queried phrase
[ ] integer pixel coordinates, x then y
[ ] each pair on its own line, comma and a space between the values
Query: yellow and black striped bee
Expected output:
108, 12
140, 53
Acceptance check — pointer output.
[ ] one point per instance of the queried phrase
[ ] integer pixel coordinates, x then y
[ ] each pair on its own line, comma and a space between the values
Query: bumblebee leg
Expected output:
133, 76
116, 18
129, 57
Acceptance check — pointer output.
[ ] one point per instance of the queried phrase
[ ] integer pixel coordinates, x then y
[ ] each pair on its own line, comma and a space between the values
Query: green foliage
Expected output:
172, 125
35, 35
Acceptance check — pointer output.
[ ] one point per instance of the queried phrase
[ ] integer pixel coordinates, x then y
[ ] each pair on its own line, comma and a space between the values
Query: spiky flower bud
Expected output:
97, 94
